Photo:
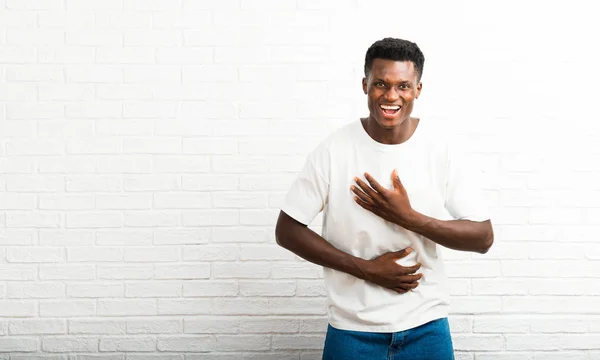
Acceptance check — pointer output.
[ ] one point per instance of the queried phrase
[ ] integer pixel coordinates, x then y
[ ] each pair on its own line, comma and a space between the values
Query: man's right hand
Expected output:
386, 272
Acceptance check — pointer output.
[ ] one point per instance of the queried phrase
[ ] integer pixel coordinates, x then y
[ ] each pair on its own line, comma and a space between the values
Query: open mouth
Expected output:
390, 110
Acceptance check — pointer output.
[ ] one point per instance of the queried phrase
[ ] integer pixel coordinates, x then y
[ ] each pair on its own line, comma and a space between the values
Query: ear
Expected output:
364, 85
419, 87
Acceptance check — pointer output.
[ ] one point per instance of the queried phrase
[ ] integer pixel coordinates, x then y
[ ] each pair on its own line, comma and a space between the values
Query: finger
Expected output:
372, 194
402, 253
375, 185
411, 269
409, 278
365, 205
364, 197
396, 180
400, 290
408, 286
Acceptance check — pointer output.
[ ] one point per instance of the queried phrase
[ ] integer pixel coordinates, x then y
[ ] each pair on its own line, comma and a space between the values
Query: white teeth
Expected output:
388, 107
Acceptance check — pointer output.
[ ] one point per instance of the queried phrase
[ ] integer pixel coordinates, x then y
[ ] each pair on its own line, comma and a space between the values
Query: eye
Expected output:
379, 84
404, 86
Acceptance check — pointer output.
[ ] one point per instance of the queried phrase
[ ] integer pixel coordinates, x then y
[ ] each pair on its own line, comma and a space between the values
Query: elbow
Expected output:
487, 242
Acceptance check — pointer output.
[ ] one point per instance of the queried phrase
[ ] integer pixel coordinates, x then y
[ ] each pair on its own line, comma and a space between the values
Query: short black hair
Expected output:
395, 49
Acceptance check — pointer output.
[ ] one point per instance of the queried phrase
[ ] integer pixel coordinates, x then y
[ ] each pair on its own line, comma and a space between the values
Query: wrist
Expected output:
413, 221
363, 268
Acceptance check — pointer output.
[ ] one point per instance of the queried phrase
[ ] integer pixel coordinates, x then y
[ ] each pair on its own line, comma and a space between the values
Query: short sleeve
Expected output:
465, 199
308, 194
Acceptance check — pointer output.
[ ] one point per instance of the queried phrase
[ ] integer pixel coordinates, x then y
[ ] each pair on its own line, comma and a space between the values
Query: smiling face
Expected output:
391, 87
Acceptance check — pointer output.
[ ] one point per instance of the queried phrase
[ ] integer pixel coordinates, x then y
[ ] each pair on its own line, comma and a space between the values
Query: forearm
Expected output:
307, 244
462, 235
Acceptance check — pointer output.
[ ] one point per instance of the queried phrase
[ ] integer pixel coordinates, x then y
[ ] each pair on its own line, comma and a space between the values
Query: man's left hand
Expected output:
391, 205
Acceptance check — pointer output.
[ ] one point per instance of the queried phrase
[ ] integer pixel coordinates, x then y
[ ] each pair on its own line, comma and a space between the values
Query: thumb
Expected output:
402, 253
396, 180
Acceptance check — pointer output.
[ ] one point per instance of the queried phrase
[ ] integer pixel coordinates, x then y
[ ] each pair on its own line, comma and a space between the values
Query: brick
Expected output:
17, 237
123, 202
39, 290
242, 270
238, 235
96, 254
181, 236
296, 270
285, 342
208, 182
126, 307
35, 255
310, 288
532, 342
125, 164
186, 343
154, 326
150, 218
97, 327
17, 273
35, 326
66, 272
94, 220
478, 342
19, 344
501, 325
182, 271
70, 345
34, 36
267, 288
182, 200
248, 306
127, 344
95, 290
151, 183
184, 306
18, 308
181, 19
65, 19
63, 237
210, 288
129, 272
154, 289
66, 92
67, 308
134, 237
66, 202
243, 342
210, 217
500, 287
158, 254
212, 325
123, 20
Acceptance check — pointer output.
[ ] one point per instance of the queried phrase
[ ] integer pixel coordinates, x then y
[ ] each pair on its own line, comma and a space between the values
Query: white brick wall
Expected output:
145, 146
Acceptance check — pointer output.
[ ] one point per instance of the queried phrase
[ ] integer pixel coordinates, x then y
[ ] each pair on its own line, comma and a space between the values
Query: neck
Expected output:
393, 136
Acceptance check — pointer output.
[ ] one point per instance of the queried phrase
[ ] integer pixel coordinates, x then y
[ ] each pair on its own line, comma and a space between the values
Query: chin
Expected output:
389, 123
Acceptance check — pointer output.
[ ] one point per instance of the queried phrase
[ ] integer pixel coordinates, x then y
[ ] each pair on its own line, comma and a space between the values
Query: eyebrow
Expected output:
401, 82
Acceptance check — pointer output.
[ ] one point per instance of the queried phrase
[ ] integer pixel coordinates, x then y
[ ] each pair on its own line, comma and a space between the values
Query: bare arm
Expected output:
307, 244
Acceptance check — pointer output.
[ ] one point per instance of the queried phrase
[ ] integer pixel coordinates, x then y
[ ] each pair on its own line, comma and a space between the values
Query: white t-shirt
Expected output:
437, 185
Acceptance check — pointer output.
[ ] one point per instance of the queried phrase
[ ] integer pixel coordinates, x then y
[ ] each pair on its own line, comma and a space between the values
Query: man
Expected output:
392, 192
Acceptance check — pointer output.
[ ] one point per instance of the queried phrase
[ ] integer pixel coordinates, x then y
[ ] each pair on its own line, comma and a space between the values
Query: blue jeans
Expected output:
429, 341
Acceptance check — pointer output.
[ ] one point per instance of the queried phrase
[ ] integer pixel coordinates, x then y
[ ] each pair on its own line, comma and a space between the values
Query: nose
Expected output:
391, 94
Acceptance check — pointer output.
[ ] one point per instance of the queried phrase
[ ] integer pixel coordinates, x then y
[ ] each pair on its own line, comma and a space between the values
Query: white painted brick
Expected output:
182, 127
214, 146
214, 73
35, 255
18, 18
285, 342
125, 164
532, 342
239, 164
182, 200
38, 290
560, 324
267, 288
248, 306
310, 288
178, 55
500, 287
562, 354
34, 36
478, 342
95, 290
186, 272
122, 19
296, 270
17, 273
65, 202
282, 356
94, 220
14, 165
66, 92
300, 306
120, 272
65, 19
241, 270
476, 305
66, 272
545, 251
154, 289
17, 237
63, 237
243, 342
161, 326
124, 92
35, 326
157, 357
94, 110
97, 327
501, 324
169, 37
180, 236
473, 269
151, 254
563, 287
35, 147
151, 183
124, 202
212, 325
506, 355
124, 237
153, 110
68, 164
265, 252
181, 19
458, 286
123, 127
238, 235
548, 305
97, 254
258, 217
95, 146
184, 306
164, 218
67, 308
269, 325
18, 308
78, 344
209, 182
126, 307
211, 217
240, 200
94, 37
210, 288
152, 146
65, 54
42, 73
186, 343
17, 54
12, 201
17, 92
19, 344
127, 344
